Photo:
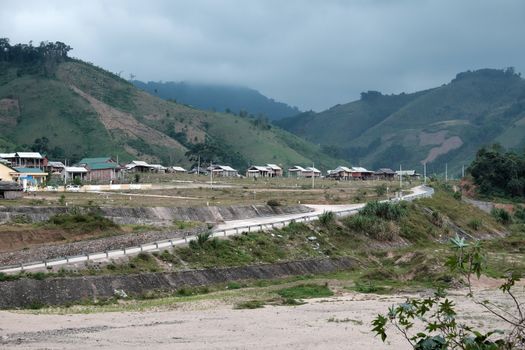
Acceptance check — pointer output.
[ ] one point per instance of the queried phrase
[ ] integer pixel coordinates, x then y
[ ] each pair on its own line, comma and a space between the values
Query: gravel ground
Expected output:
341, 322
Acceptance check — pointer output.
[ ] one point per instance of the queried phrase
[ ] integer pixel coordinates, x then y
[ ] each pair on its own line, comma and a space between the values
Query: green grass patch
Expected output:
305, 291
250, 304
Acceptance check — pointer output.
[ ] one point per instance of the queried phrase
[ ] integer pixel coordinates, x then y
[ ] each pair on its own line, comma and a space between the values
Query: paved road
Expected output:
228, 228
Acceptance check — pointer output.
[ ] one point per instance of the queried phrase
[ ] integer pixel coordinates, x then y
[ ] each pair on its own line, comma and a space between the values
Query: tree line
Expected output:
28, 53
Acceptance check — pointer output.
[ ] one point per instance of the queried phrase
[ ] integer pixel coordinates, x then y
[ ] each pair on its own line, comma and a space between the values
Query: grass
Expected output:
250, 304
81, 222
306, 291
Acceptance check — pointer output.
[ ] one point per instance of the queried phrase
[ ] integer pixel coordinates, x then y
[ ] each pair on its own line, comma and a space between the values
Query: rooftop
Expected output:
29, 170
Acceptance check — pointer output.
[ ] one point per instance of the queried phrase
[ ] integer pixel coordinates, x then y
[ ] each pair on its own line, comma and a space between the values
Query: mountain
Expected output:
72, 109
438, 126
220, 98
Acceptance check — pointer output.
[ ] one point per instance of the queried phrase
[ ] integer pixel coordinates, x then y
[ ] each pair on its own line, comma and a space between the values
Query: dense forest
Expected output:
499, 172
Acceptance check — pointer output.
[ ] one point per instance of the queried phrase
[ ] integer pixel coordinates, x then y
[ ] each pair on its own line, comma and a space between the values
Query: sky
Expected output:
312, 54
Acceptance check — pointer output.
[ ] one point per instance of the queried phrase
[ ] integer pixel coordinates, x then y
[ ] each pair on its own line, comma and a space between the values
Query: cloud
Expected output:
312, 54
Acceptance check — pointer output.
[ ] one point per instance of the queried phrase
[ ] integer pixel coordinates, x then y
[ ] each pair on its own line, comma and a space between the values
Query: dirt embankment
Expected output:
155, 215
58, 291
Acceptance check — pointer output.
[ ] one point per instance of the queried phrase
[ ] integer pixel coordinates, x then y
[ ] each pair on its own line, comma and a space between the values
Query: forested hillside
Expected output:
220, 98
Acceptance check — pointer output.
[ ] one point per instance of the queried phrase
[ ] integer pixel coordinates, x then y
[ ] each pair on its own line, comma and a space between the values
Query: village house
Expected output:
70, 173
408, 174
260, 171
360, 173
7, 173
340, 173
385, 174
100, 169
223, 170
308, 172
30, 176
158, 168
53, 167
138, 166
25, 159
277, 170
177, 170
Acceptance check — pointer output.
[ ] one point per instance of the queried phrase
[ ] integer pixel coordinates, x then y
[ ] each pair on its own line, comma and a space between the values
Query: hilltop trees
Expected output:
27, 53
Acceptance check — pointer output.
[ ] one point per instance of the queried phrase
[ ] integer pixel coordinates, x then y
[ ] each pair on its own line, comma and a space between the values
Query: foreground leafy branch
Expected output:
437, 319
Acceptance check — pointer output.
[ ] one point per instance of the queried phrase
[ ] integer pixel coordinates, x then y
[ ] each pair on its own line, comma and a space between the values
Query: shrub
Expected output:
380, 190
384, 210
501, 215
519, 213
250, 304
273, 203
327, 218
201, 240
457, 195
76, 221
62, 199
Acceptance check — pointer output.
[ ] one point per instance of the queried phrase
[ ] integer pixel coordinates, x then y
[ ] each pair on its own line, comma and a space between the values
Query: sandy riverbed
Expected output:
341, 322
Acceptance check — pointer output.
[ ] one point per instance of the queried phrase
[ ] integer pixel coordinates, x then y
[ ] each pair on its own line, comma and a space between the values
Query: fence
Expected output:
170, 243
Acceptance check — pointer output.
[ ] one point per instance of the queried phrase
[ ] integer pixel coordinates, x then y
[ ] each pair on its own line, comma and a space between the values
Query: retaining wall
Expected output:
58, 291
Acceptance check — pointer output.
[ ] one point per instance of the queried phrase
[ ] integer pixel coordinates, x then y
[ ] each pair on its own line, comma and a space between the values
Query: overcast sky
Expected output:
312, 54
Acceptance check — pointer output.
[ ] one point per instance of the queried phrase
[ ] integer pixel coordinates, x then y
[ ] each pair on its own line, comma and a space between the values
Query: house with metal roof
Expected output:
384, 174
138, 166
30, 176
340, 173
409, 174
69, 173
299, 171
25, 159
223, 170
259, 171
100, 169
360, 173
177, 169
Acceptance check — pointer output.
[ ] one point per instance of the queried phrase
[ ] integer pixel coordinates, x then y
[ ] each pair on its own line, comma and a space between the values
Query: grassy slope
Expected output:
48, 107
480, 107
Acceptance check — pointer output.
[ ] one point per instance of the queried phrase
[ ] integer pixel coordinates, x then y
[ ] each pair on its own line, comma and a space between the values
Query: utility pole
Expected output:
446, 172
400, 178
211, 175
313, 176
199, 165
463, 171
424, 173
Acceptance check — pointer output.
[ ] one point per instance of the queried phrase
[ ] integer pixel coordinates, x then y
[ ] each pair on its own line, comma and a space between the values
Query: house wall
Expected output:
4, 173
101, 175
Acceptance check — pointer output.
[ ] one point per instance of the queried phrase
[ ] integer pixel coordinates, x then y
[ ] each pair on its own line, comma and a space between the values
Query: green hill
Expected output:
447, 124
217, 97
72, 109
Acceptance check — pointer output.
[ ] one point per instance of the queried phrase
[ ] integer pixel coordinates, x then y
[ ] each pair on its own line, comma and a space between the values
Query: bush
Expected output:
250, 304
201, 240
380, 190
327, 218
501, 215
384, 210
519, 213
457, 195
88, 222
273, 203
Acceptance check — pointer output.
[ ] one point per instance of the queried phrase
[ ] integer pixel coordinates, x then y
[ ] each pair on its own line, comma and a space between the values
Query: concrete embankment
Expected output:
153, 215
58, 291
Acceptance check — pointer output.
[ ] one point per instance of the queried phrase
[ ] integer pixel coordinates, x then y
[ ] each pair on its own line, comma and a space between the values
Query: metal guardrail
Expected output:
170, 243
